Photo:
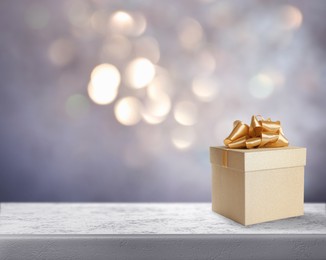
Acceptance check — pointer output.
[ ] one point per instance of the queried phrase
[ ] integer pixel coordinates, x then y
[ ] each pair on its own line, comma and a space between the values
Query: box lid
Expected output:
258, 159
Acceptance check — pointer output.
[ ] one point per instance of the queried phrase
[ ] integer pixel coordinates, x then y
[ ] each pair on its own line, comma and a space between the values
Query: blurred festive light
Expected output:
147, 47
61, 52
190, 34
159, 105
161, 83
261, 86
117, 46
77, 106
127, 23
121, 22
104, 84
152, 120
106, 75
291, 17
183, 137
140, 72
101, 94
205, 88
139, 25
275, 75
37, 17
128, 111
185, 113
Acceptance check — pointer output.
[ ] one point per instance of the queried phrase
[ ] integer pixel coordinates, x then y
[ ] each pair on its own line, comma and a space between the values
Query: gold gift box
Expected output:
251, 186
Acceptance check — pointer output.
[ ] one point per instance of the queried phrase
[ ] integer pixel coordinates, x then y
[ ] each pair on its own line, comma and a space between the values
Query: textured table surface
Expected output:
146, 218
153, 231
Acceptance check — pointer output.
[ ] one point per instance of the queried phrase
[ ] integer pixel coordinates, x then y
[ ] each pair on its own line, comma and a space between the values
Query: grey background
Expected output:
51, 151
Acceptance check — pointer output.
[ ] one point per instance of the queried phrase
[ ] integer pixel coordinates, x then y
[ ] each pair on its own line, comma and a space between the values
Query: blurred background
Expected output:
120, 100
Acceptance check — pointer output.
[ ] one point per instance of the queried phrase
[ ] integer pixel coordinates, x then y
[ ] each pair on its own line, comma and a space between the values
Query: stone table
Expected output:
153, 231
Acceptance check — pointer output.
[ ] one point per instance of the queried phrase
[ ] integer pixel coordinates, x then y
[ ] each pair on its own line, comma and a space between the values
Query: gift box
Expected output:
252, 186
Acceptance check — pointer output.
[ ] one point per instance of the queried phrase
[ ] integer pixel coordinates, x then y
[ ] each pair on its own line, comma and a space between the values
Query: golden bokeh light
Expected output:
183, 137
107, 75
139, 73
101, 94
140, 24
261, 86
291, 17
205, 88
127, 23
190, 34
185, 113
159, 105
128, 111
162, 82
121, 22
156, 108
152, 120
104, 84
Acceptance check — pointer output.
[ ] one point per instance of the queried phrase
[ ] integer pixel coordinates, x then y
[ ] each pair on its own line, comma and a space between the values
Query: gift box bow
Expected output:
261, 133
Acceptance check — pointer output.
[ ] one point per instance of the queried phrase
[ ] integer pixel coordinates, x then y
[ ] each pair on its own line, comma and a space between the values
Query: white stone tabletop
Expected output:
143, 218
132, 231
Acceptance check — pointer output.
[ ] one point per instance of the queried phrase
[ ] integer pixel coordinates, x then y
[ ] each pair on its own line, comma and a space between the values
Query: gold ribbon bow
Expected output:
260, 133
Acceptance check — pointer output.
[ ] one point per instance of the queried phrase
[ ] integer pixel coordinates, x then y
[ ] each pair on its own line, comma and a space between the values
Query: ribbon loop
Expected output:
260, 133
240, 130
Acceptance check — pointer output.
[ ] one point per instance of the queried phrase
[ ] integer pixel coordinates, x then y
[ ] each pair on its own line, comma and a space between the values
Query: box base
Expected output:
259, 196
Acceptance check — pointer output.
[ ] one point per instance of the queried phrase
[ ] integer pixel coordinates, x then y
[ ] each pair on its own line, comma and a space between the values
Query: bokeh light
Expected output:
185, 113
159, 105
276, 76
127, 23
121, 22
139, 25
205, 88
103, 87
183, 137
156, 108
162, 82
128, 111
291, 17
190, 34
261, 86
140, 72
